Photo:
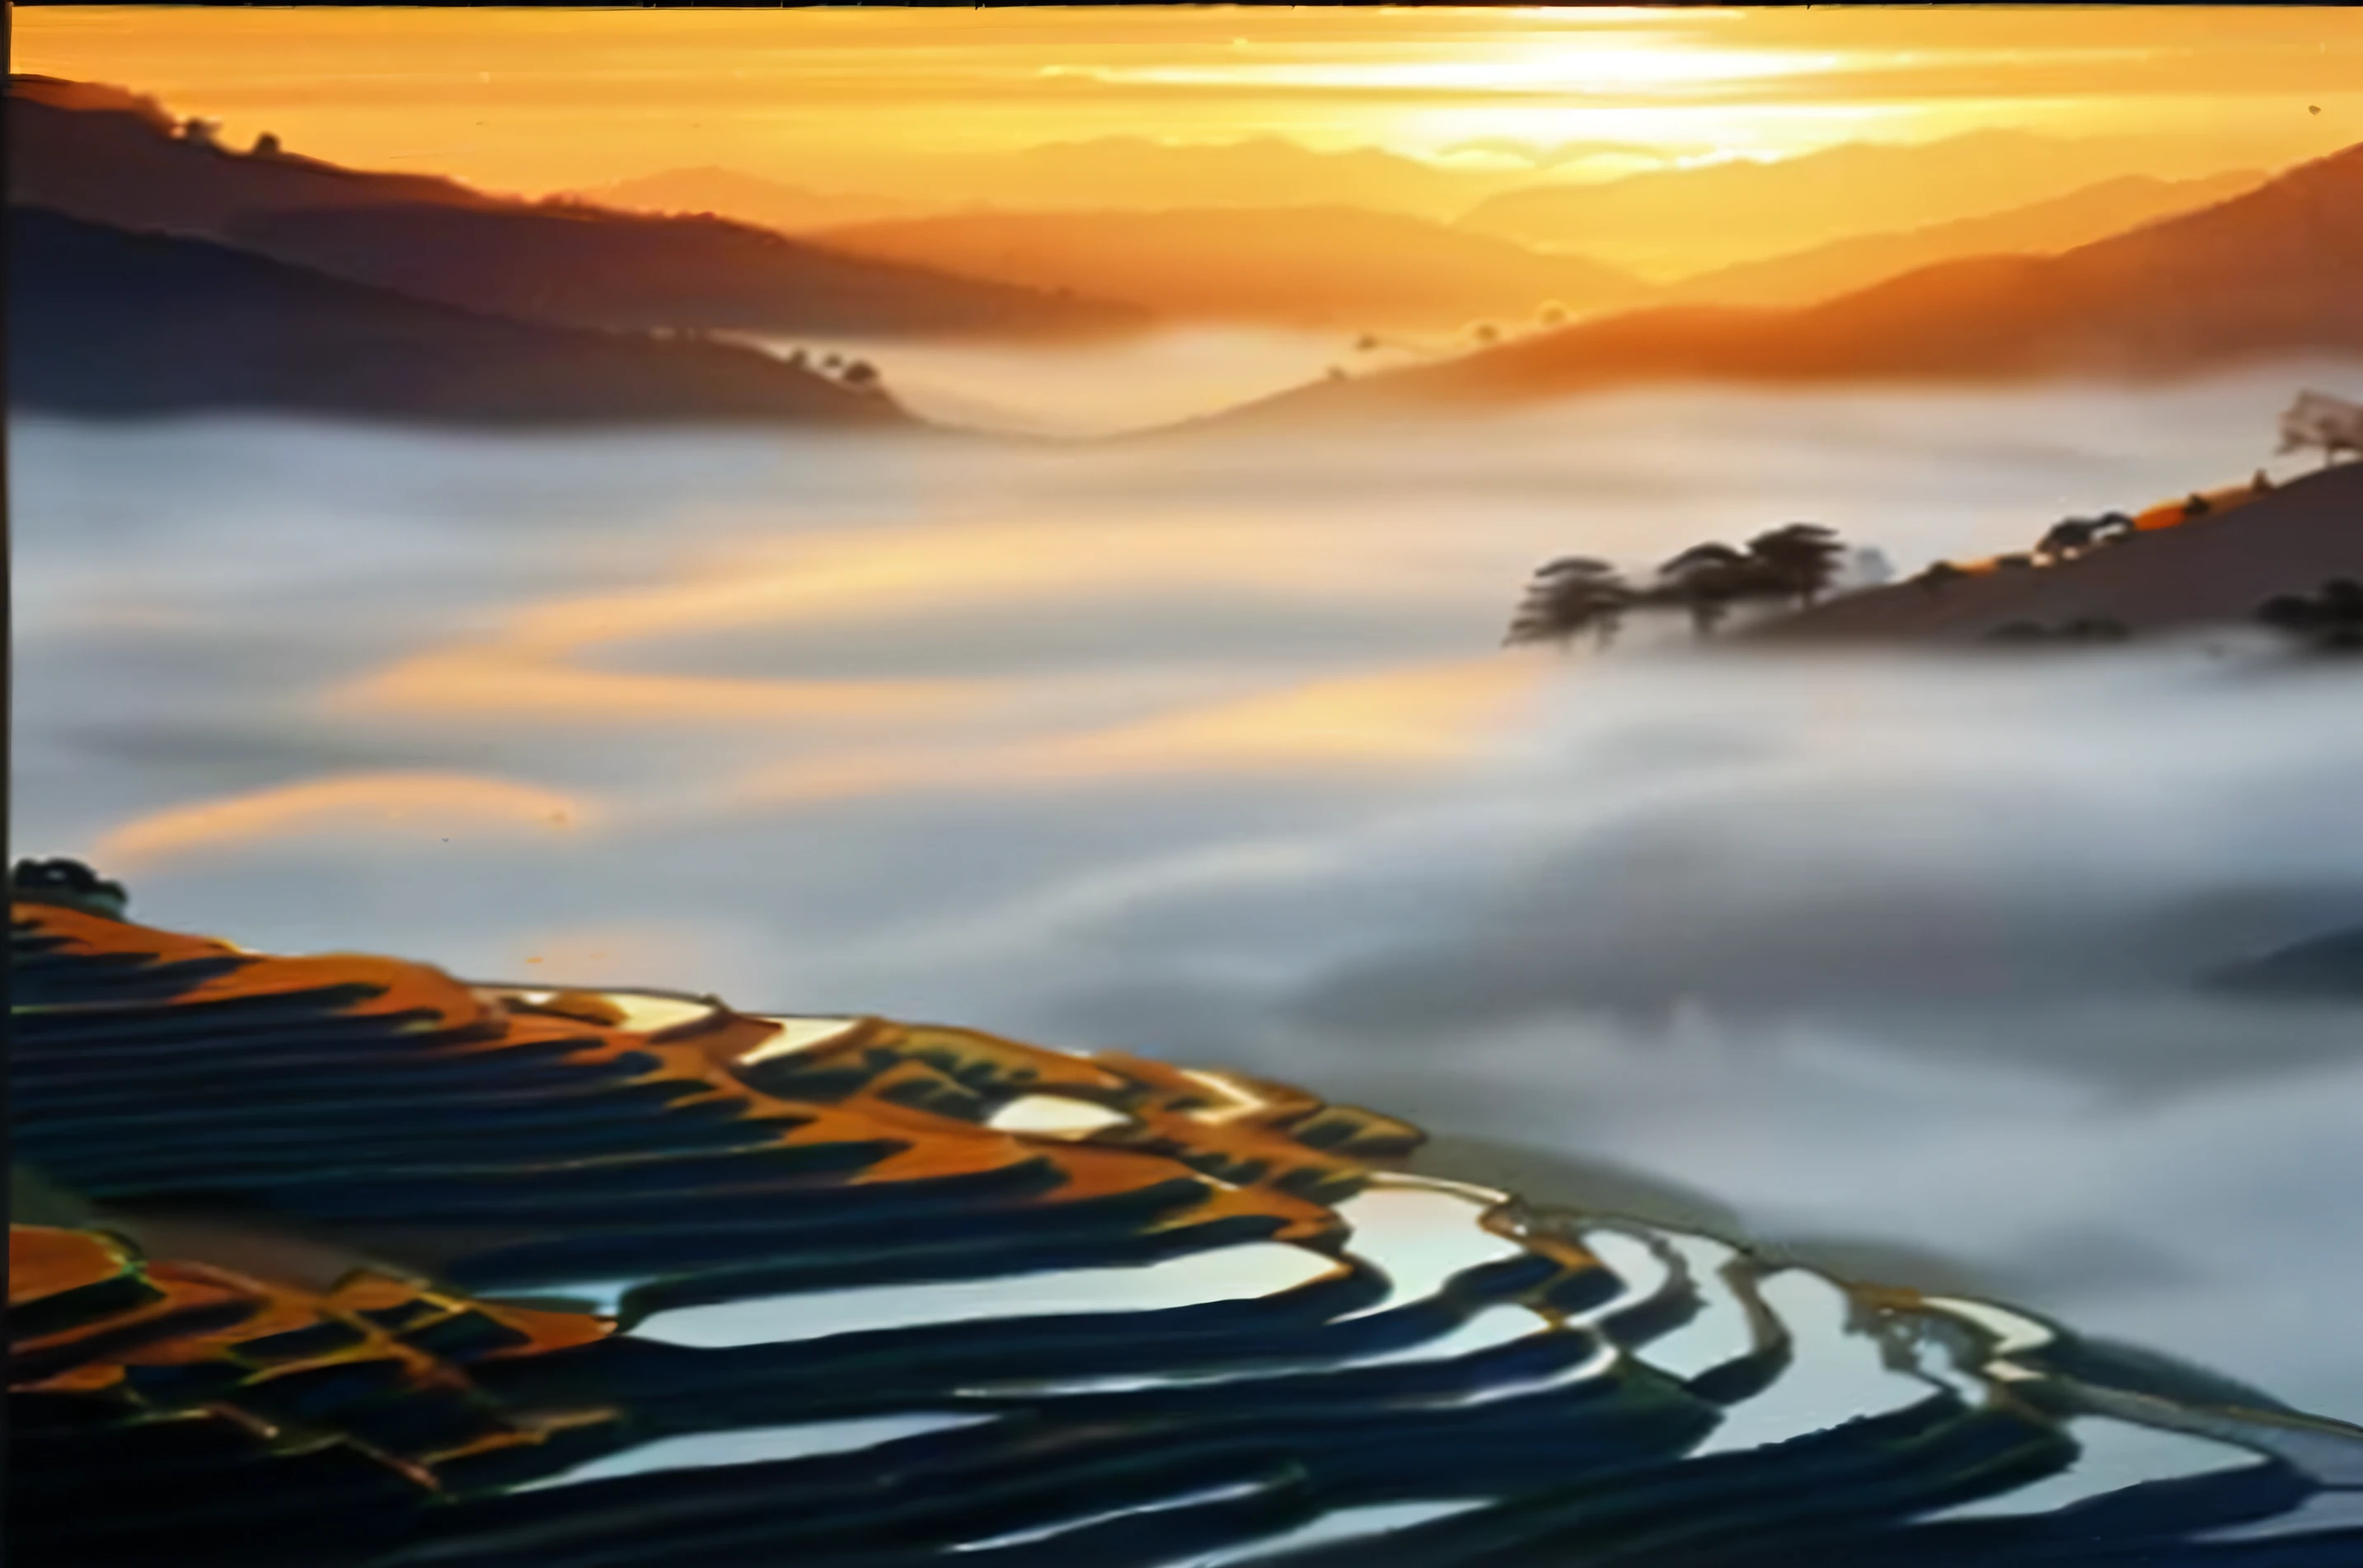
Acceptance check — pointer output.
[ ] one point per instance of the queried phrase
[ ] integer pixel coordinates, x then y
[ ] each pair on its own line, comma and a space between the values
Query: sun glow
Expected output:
891, 100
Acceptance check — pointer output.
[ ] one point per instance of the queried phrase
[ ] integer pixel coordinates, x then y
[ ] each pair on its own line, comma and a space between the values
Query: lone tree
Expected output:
266, 145
1567, 598
2067, 539
861, 375
1802, 558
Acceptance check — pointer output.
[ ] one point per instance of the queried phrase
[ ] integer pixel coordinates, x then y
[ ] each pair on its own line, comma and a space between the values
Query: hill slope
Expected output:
592, 267
1323, 267
2212, 571
104, 322
2273, 271
111, 158
2062, 223
1673, 223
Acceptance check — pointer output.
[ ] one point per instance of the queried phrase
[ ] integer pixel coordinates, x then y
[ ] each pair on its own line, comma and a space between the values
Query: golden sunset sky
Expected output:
542, 99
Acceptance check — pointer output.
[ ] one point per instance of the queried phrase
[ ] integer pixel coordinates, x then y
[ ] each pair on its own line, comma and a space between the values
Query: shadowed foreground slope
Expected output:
101, 321
388, 1268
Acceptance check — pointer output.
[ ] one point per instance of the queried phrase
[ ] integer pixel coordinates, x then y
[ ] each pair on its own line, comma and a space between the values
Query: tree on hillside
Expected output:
1567, 598
1706, 581
266, 146
861, 375
1485, 332
1803, 557
2113, 527
201, 133
1552, 314
2197, 506
2067, 539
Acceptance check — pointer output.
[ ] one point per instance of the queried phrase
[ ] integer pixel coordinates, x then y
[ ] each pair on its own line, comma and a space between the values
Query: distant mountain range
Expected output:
2273, 271
595, 268
1358, 270
2042, 228
1142, 173
1676, 222
108, 157
749, 198
1337, 268
106, 323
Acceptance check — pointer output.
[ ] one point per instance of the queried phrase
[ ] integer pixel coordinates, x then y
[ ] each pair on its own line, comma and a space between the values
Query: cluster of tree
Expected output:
2330, 620
2070, 538
1578, 595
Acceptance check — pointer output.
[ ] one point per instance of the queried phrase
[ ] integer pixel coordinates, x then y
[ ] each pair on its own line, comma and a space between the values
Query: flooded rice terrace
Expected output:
1209, 751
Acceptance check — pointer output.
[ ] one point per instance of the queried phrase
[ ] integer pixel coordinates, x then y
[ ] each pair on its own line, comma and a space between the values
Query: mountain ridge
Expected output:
2267, 272
109, 322
110, 157
1315, 264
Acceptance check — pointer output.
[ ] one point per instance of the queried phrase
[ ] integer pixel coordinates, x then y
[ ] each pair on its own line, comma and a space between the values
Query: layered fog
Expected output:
1207, 749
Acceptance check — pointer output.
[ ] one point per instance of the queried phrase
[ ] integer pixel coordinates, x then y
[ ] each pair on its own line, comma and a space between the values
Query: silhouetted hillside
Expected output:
103, 321
115, 158
1325, 267
2214, 571
2274, 271
2044, 228
111, 158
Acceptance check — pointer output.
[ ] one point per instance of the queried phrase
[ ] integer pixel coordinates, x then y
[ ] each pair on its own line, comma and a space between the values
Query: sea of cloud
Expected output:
1208, 750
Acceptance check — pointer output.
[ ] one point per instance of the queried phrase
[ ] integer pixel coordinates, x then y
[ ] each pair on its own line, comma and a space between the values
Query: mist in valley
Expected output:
1207, 749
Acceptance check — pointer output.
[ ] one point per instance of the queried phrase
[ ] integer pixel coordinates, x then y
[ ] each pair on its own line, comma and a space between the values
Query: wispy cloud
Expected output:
438, 805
